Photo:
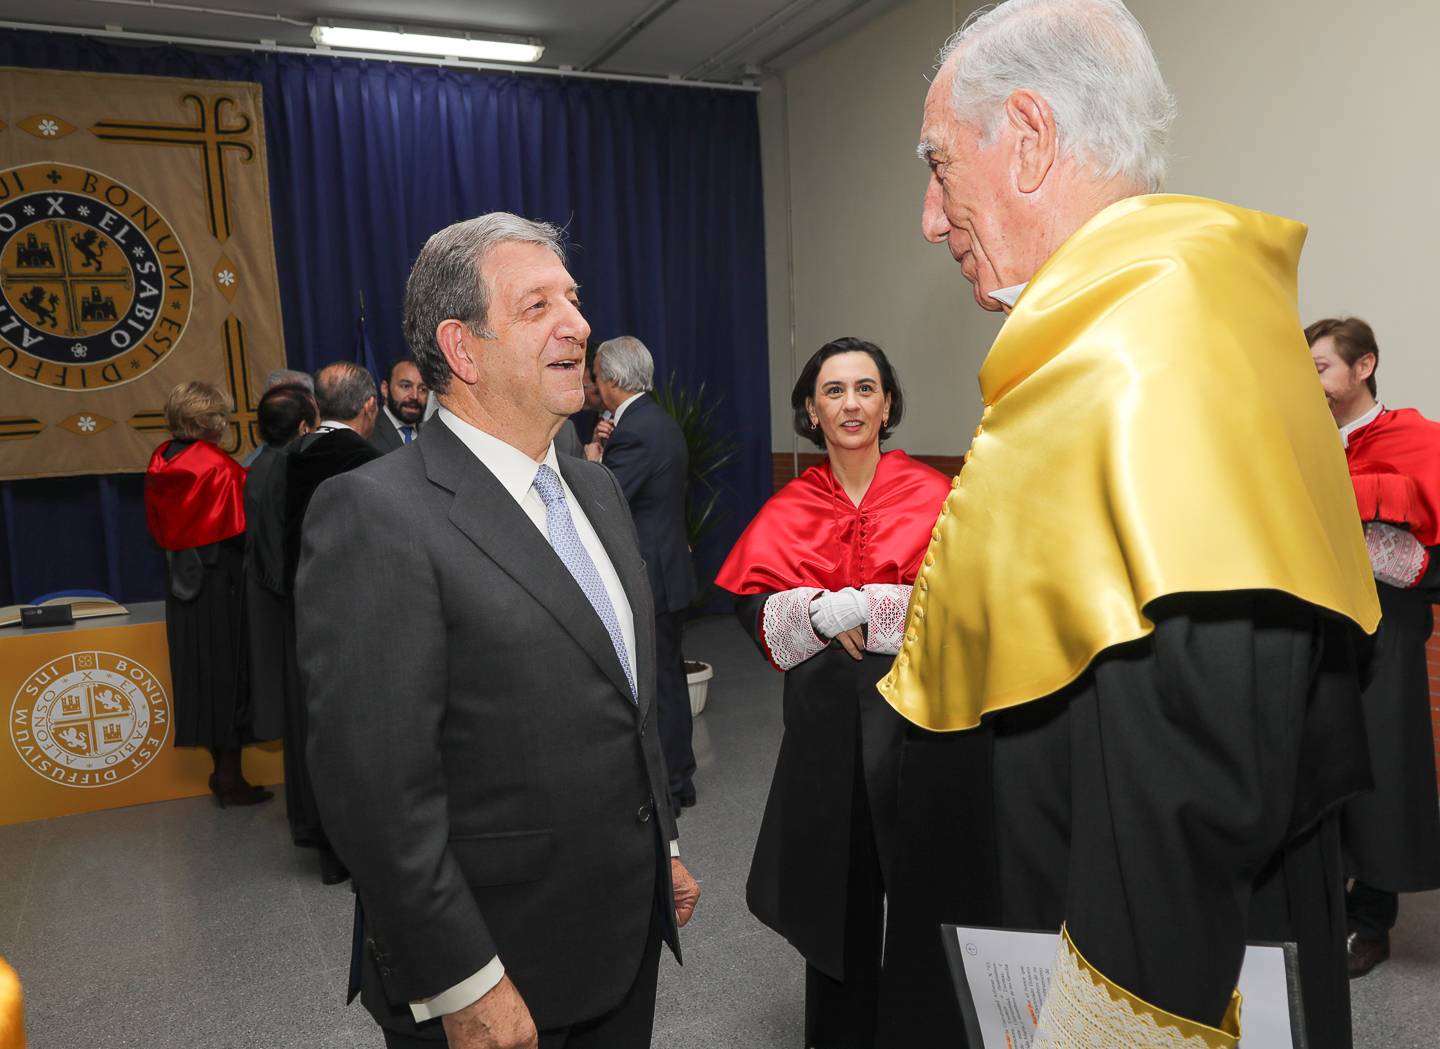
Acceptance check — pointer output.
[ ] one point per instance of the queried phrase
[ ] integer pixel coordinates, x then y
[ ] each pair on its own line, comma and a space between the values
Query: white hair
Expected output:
625, 362
1089, 59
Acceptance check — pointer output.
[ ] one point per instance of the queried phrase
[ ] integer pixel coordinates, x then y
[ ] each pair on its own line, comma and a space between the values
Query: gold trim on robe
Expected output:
1153, 425
1084, 1009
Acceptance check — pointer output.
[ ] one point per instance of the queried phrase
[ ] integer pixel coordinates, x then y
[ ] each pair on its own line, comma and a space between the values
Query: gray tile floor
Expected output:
179, 925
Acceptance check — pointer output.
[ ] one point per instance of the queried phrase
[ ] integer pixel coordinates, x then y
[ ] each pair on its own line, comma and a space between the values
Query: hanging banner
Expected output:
135, 254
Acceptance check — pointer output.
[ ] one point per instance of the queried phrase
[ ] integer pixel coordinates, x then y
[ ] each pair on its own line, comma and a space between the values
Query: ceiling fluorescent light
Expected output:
488, 48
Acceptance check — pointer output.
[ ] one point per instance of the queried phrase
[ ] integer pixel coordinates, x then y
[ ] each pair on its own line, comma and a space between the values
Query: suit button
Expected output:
643, 814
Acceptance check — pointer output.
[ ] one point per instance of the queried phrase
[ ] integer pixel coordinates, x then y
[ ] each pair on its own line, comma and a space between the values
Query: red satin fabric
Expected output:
196, 498
811, 534
1395, 468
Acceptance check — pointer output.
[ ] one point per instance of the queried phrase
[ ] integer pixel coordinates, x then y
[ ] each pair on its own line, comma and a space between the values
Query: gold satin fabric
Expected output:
1153, 425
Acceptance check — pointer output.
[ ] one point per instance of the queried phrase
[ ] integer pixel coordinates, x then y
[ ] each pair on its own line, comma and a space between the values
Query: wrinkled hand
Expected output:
853, 641
594, 451
687, 891
603, 429
499, 1020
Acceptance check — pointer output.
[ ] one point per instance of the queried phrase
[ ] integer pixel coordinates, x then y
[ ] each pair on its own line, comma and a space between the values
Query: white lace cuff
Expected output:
888, 605
785, 628
1396, 556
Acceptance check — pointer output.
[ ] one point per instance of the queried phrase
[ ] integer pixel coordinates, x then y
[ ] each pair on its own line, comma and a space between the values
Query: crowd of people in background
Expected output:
233, 535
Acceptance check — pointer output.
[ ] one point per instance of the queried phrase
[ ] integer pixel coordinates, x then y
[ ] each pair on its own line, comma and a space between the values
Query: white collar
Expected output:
620, 408
1360, 423
335, 424
512, 468
1009, 295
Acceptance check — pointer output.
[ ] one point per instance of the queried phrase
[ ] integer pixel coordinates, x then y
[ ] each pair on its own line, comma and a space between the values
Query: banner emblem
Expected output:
95, 286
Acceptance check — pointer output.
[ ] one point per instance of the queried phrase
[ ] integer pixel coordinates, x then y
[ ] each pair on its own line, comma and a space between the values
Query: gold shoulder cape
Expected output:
1153, 425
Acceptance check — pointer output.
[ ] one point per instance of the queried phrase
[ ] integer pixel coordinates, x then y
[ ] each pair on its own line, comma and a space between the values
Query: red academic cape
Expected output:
194, 499
811, 534
1395, 468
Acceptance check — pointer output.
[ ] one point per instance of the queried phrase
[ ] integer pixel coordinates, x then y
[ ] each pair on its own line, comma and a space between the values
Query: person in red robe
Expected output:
1390, 836
194, 507
864, 809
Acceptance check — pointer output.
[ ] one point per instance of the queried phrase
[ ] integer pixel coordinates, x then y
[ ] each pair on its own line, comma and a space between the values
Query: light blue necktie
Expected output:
561, 529
407, 434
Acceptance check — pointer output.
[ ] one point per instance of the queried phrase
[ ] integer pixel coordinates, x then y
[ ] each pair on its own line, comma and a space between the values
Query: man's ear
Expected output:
1030, 119
1365, 366
384, 389
457, 342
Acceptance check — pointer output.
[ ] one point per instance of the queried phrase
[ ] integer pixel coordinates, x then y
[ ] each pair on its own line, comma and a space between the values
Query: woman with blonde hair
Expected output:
194, 507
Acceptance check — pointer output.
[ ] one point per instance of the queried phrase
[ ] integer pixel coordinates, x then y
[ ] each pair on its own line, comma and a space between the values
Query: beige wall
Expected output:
1308, 108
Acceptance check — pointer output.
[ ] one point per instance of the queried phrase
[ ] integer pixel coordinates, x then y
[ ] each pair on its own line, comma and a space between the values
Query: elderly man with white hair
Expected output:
1150, 577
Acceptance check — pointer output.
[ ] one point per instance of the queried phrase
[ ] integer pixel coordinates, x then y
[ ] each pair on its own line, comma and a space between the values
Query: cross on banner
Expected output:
209, 134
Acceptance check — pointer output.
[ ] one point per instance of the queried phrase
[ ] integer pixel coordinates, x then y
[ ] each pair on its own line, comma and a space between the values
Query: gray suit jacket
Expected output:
477, 757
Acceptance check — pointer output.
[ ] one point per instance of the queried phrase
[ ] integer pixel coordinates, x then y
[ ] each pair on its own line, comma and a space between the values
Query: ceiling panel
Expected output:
675, 43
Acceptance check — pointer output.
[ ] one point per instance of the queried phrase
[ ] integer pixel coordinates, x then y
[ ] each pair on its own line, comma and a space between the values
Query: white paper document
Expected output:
1008, 973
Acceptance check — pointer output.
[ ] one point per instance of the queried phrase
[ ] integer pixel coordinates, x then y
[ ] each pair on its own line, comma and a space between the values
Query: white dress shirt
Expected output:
1009, 295
1359, 424
620, 408
516, 473
335, 424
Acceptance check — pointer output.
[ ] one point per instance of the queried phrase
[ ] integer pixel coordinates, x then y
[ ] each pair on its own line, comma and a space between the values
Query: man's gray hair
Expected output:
341, 390
289, 377
1089, 59
447, 283
625, 362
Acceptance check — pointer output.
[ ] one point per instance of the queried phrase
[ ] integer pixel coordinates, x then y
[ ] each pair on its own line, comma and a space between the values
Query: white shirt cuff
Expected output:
466, 992
675, 849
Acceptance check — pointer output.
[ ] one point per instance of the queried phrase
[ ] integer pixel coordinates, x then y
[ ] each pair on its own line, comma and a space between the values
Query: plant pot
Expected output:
697, 676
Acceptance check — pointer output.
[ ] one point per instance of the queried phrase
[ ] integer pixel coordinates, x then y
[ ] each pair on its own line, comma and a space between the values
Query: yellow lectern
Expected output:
89, 720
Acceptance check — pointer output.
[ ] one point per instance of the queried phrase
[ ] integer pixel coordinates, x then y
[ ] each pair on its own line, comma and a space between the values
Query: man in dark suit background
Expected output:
345, 393
646, 452
405, 395
495, 793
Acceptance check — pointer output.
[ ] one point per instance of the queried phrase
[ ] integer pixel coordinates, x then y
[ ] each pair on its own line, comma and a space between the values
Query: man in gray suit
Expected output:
495, 796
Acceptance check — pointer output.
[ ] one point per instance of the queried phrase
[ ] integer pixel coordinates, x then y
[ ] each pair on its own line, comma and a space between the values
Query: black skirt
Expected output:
206, 639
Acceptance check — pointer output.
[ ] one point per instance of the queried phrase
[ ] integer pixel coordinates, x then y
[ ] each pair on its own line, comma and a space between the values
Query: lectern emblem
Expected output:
94, 284
89, 719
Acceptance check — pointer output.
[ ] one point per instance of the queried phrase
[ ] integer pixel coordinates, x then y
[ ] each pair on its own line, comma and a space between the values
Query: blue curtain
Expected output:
659, 188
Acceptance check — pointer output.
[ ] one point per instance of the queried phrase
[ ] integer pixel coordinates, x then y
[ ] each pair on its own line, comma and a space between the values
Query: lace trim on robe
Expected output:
785, 628
885, 629
1397, 557
1084, 1010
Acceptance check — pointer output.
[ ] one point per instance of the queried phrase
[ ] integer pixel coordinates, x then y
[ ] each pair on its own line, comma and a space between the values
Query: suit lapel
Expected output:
600, 498
487, 515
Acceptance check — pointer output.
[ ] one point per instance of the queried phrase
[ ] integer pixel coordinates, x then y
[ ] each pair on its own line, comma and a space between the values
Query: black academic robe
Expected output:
311, 460
1181, 799
270, 644
851, 768
1391, 835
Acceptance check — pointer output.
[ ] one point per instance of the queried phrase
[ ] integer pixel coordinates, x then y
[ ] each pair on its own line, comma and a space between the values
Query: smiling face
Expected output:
405, 393
849, 403
534, 366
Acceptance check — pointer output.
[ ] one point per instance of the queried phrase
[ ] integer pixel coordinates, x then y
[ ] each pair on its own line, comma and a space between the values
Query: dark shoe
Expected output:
1363, 955
239, 794
332, 871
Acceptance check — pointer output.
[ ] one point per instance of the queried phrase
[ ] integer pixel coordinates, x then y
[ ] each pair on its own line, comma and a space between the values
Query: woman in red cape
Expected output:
859, 844
194, 507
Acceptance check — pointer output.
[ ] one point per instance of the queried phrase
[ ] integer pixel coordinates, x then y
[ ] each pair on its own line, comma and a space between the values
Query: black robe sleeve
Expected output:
1197, 754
